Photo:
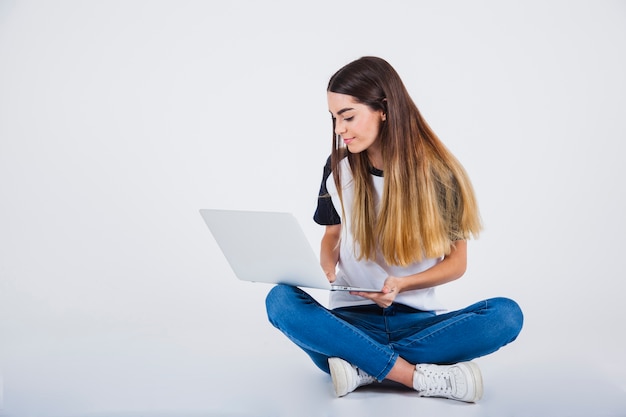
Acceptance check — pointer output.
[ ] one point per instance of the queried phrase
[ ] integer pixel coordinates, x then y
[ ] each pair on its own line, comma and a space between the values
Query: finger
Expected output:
358, 293
387, 290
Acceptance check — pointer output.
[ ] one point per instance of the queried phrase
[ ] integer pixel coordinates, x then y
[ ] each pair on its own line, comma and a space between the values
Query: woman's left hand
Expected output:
387, 294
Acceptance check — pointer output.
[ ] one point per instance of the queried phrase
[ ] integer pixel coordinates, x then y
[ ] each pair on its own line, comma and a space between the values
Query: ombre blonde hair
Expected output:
428, 201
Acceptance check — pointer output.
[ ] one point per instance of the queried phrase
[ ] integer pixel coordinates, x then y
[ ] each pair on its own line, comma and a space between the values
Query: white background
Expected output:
119, 120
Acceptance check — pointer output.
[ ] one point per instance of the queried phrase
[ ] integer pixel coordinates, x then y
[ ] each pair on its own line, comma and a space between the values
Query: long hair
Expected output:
428, 201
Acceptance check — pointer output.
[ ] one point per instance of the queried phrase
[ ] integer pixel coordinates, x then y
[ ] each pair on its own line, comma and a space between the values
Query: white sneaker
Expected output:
346, 377
461, 381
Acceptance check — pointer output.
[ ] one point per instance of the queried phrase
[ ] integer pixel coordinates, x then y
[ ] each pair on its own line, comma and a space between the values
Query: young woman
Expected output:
398, 208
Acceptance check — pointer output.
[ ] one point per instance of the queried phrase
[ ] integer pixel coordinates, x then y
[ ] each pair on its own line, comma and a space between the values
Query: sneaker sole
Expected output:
339, 376
478, 382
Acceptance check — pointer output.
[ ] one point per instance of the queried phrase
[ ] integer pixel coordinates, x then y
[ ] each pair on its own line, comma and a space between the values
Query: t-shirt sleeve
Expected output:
326, 214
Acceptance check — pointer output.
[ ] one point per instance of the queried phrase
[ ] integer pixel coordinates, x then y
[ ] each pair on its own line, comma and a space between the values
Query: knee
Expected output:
278, 300
278, 295
511, 317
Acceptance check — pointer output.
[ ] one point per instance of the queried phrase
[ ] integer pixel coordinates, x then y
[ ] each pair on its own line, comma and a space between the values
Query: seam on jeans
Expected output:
459, 319
386, 351
358, 332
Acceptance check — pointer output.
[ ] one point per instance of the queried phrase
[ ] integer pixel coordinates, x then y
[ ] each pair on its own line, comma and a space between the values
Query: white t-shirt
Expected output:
364, 273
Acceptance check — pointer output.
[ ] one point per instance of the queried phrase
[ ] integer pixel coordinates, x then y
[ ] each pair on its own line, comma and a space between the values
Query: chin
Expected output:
354, 149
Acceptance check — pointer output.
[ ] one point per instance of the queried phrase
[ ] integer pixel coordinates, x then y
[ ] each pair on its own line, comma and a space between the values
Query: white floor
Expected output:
249, 369
262, 388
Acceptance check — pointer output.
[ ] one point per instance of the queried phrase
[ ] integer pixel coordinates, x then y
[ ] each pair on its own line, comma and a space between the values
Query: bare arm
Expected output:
329, 252
452, 267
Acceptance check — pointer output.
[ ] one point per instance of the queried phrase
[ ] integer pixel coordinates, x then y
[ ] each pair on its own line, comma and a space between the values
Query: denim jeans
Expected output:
372, 338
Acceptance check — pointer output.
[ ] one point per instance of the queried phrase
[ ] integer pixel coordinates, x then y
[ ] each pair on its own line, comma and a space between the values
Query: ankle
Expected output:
402, 372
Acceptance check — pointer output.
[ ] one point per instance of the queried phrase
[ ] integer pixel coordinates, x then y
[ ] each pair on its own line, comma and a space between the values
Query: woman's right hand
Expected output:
387, 294
329, 251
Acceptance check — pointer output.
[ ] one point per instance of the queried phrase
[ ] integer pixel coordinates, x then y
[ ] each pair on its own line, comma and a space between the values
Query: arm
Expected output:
329, 253
452, 267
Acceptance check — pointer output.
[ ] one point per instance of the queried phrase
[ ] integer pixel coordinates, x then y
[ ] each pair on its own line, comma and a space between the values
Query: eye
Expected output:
347, 119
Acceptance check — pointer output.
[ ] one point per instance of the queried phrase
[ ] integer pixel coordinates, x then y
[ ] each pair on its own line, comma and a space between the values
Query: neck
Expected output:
376, 158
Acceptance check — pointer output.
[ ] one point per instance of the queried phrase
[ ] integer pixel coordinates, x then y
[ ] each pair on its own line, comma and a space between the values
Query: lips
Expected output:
347, 140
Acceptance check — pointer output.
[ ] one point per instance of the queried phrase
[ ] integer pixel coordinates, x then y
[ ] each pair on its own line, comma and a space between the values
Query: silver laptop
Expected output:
268, 247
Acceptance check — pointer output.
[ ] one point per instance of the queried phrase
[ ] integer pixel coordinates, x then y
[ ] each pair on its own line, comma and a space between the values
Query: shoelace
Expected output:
364, 378
435, 383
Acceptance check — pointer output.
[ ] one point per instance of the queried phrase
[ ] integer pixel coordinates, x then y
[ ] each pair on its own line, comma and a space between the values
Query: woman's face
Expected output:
356, 123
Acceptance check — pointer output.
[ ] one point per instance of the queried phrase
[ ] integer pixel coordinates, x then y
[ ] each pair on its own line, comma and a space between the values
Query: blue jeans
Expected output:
372, 338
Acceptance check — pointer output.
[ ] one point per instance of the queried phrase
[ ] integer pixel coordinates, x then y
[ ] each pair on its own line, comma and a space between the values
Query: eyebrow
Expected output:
342, 111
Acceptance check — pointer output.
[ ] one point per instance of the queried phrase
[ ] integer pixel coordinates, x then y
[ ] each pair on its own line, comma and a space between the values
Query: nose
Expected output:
340, 127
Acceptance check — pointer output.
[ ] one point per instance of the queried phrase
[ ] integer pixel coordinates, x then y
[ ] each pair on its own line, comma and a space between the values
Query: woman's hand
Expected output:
329, 251
330, 276
387, 294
